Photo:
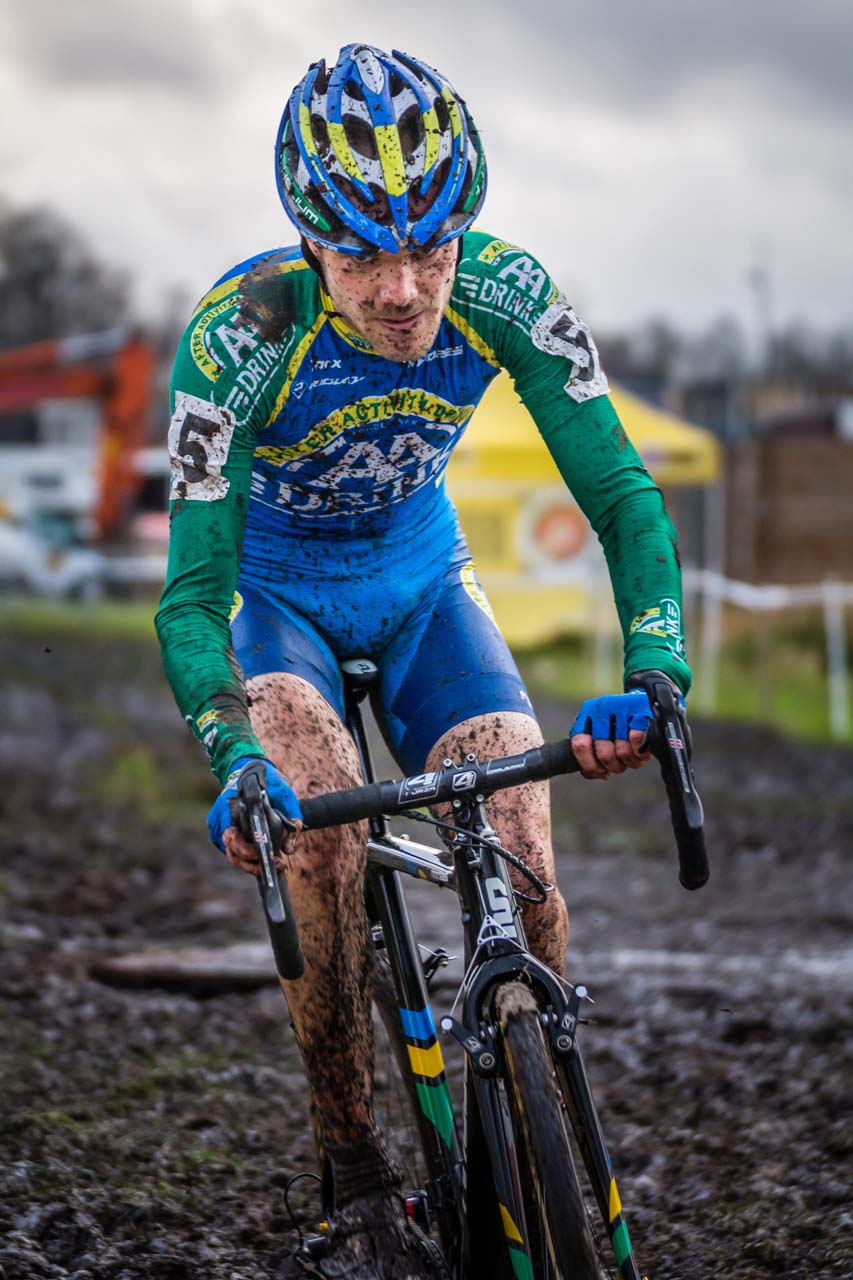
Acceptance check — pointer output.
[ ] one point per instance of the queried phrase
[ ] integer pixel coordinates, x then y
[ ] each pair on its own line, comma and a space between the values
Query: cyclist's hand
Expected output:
239, 851
609, 734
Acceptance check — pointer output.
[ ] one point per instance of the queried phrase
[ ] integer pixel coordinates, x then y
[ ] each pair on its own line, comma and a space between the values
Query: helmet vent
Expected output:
360, 136
321, 84
442, 114
411, 129
320, 130
354, 90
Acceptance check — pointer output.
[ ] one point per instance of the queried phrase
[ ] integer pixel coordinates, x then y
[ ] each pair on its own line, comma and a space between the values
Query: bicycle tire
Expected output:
408, 1132
557, 1223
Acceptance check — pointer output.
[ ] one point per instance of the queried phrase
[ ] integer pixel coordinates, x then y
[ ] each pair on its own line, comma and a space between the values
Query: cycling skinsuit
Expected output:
309, 517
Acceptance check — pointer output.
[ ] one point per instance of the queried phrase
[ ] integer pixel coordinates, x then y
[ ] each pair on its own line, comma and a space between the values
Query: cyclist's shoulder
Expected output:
274, 276
500, 287
490, 256
247, 314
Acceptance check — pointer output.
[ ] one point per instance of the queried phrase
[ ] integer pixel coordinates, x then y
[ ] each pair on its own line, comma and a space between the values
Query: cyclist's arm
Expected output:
626, 509
516, 308
211, 476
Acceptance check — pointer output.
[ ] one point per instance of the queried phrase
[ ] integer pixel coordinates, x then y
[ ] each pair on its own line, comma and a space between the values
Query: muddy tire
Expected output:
557, 1222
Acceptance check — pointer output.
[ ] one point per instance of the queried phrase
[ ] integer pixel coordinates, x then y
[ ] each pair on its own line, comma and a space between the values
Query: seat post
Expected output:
359, 676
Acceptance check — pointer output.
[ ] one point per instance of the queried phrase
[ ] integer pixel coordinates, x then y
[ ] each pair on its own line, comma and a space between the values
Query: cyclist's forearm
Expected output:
207, 683
640, 545
193, 624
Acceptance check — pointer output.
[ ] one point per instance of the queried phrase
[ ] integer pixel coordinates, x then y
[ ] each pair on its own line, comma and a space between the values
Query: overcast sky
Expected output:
649, 151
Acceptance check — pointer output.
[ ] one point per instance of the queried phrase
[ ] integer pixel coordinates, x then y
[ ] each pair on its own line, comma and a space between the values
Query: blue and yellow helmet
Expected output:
379, 152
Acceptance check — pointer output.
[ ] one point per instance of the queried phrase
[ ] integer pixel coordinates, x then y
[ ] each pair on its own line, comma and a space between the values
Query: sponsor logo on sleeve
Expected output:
200, 339
495, 249
199, 439
559, 332
663, 620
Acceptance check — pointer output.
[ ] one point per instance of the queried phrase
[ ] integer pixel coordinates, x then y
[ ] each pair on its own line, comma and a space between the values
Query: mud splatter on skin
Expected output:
522, 818
331, 1005
392, 287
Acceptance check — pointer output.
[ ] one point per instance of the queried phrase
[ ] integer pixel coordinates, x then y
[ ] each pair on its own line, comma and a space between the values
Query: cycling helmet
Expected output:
379, 152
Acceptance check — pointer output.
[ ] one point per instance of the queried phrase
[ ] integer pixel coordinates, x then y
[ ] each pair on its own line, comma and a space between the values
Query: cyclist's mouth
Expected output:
400, 325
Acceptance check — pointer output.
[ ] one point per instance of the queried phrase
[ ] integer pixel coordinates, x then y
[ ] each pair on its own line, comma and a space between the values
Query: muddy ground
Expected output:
150, 1133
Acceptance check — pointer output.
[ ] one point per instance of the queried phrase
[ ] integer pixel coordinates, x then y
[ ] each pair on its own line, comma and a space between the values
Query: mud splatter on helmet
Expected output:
379, 152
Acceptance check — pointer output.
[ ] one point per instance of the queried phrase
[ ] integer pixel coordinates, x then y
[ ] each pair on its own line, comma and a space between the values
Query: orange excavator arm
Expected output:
115, 368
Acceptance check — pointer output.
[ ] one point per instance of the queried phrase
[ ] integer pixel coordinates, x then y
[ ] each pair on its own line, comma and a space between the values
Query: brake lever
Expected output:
670, 742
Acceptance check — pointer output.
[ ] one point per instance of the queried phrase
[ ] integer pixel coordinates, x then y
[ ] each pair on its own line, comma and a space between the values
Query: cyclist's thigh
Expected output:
271, 637
450, 664
295, 695
450, 686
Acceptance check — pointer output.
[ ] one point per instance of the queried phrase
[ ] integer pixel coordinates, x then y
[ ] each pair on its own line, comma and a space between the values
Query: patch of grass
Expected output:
120, 618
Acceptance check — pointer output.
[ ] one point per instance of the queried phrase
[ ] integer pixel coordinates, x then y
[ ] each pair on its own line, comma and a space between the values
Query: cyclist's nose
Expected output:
398, 286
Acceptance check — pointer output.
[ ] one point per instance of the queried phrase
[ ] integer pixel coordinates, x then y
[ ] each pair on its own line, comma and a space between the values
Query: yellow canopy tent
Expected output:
535, 554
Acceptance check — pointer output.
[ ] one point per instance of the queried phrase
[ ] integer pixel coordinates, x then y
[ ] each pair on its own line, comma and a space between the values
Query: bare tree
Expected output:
51, 283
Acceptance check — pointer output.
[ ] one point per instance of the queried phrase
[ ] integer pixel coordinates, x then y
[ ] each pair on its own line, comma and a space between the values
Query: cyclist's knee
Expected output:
499, 733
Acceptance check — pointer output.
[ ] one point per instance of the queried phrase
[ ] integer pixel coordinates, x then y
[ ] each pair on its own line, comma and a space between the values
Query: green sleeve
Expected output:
533, 332
211, 455
229, 371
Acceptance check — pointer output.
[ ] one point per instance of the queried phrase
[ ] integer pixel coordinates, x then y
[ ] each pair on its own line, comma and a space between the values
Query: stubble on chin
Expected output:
403, 348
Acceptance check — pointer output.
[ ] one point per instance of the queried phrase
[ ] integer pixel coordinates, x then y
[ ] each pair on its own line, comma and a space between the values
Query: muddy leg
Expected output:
331, 1004
522, 819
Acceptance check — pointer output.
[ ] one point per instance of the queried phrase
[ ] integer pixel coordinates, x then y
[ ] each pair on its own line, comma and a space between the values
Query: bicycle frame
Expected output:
495, 953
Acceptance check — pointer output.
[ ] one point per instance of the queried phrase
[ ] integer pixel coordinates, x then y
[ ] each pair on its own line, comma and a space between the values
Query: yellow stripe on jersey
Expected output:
293, 366
232, 284
472, 337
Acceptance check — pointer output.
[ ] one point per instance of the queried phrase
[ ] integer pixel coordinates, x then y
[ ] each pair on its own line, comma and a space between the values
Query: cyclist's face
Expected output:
393, 300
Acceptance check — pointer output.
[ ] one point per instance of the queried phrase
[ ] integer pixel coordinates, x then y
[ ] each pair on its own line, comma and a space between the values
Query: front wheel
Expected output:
558, 1232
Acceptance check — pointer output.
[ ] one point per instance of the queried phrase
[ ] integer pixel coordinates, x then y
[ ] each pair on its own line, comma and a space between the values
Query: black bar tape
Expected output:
557, 757
337, 808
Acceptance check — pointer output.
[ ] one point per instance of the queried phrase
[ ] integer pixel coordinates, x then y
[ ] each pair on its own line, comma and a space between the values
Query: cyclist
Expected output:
317, 395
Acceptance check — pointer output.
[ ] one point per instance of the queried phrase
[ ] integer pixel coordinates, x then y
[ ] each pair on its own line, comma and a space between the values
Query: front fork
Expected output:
496, 931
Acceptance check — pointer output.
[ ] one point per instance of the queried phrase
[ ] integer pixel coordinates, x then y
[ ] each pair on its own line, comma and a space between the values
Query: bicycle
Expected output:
501, 1191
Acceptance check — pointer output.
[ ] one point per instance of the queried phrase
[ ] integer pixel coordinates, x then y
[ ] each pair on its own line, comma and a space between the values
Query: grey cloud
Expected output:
640, 53
110, 42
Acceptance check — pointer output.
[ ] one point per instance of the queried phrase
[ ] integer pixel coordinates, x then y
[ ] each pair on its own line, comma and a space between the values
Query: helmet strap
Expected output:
311, 258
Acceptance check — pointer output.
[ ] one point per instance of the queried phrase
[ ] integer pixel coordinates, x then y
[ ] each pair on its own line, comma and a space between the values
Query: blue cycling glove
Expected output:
613, 716
281, 796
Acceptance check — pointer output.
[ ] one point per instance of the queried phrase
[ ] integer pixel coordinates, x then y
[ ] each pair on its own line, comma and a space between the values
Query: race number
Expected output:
559, 332
199, 438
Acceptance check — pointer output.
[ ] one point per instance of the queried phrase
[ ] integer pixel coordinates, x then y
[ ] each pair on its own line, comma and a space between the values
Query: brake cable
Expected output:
513, 859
